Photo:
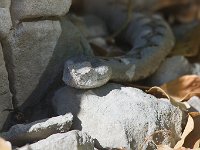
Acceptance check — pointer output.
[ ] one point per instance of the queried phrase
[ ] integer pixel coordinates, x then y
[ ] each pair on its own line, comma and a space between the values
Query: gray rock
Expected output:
22, 134
194, 102
5, 95
5, 3
26, 9
172, 68
72, 140
29, 49
36, 52
118, 116
5, 18
196, 69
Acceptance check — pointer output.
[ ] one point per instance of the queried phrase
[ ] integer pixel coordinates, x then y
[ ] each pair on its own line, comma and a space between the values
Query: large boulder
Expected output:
29, 49
5, 3
36, 52
29, 9
5, 18
73, 140
118, 116
5, 95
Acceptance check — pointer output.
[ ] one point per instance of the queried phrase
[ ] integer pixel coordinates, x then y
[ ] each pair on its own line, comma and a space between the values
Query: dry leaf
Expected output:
177, 91
197, 144
188, 129
160, 93
189, 45
5, 145
191, 135
183, 88
194, 136
182, 11
188, 12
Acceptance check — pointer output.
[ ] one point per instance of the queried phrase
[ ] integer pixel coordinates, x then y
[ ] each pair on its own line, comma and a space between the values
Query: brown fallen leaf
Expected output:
188, 129
5, 145
189, 45
188, 12
160, 93
178, 91
191, 135
182, 12
192, 139
183, 88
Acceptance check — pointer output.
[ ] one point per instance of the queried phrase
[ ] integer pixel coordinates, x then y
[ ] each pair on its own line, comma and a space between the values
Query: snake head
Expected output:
84, 73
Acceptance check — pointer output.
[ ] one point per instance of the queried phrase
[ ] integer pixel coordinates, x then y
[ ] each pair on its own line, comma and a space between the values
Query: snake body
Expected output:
151, 39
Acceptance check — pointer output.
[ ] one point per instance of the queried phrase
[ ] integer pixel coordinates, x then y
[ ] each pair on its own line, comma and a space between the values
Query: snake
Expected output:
151, 40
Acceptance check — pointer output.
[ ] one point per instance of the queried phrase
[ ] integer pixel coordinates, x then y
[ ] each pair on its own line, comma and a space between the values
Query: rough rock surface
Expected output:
72, 140
5, 95
170, 69
118, 116
196, 69
33, 50
22, 134
5, 18
30, 32
194, 102
29, 49
29, 9
5, 3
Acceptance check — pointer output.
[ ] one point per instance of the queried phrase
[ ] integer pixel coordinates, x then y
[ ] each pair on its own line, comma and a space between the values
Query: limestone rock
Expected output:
29, 9
5, 3
118, 116
36, 52
5, 95
5, 18
72, 140
22, 134
170, 69
29, 49
196, 69
194, 102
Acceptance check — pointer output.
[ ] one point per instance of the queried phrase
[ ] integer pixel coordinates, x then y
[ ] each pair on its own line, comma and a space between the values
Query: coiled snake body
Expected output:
151, 39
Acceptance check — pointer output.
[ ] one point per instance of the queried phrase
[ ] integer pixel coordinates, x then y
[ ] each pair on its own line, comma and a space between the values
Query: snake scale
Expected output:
151, 40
